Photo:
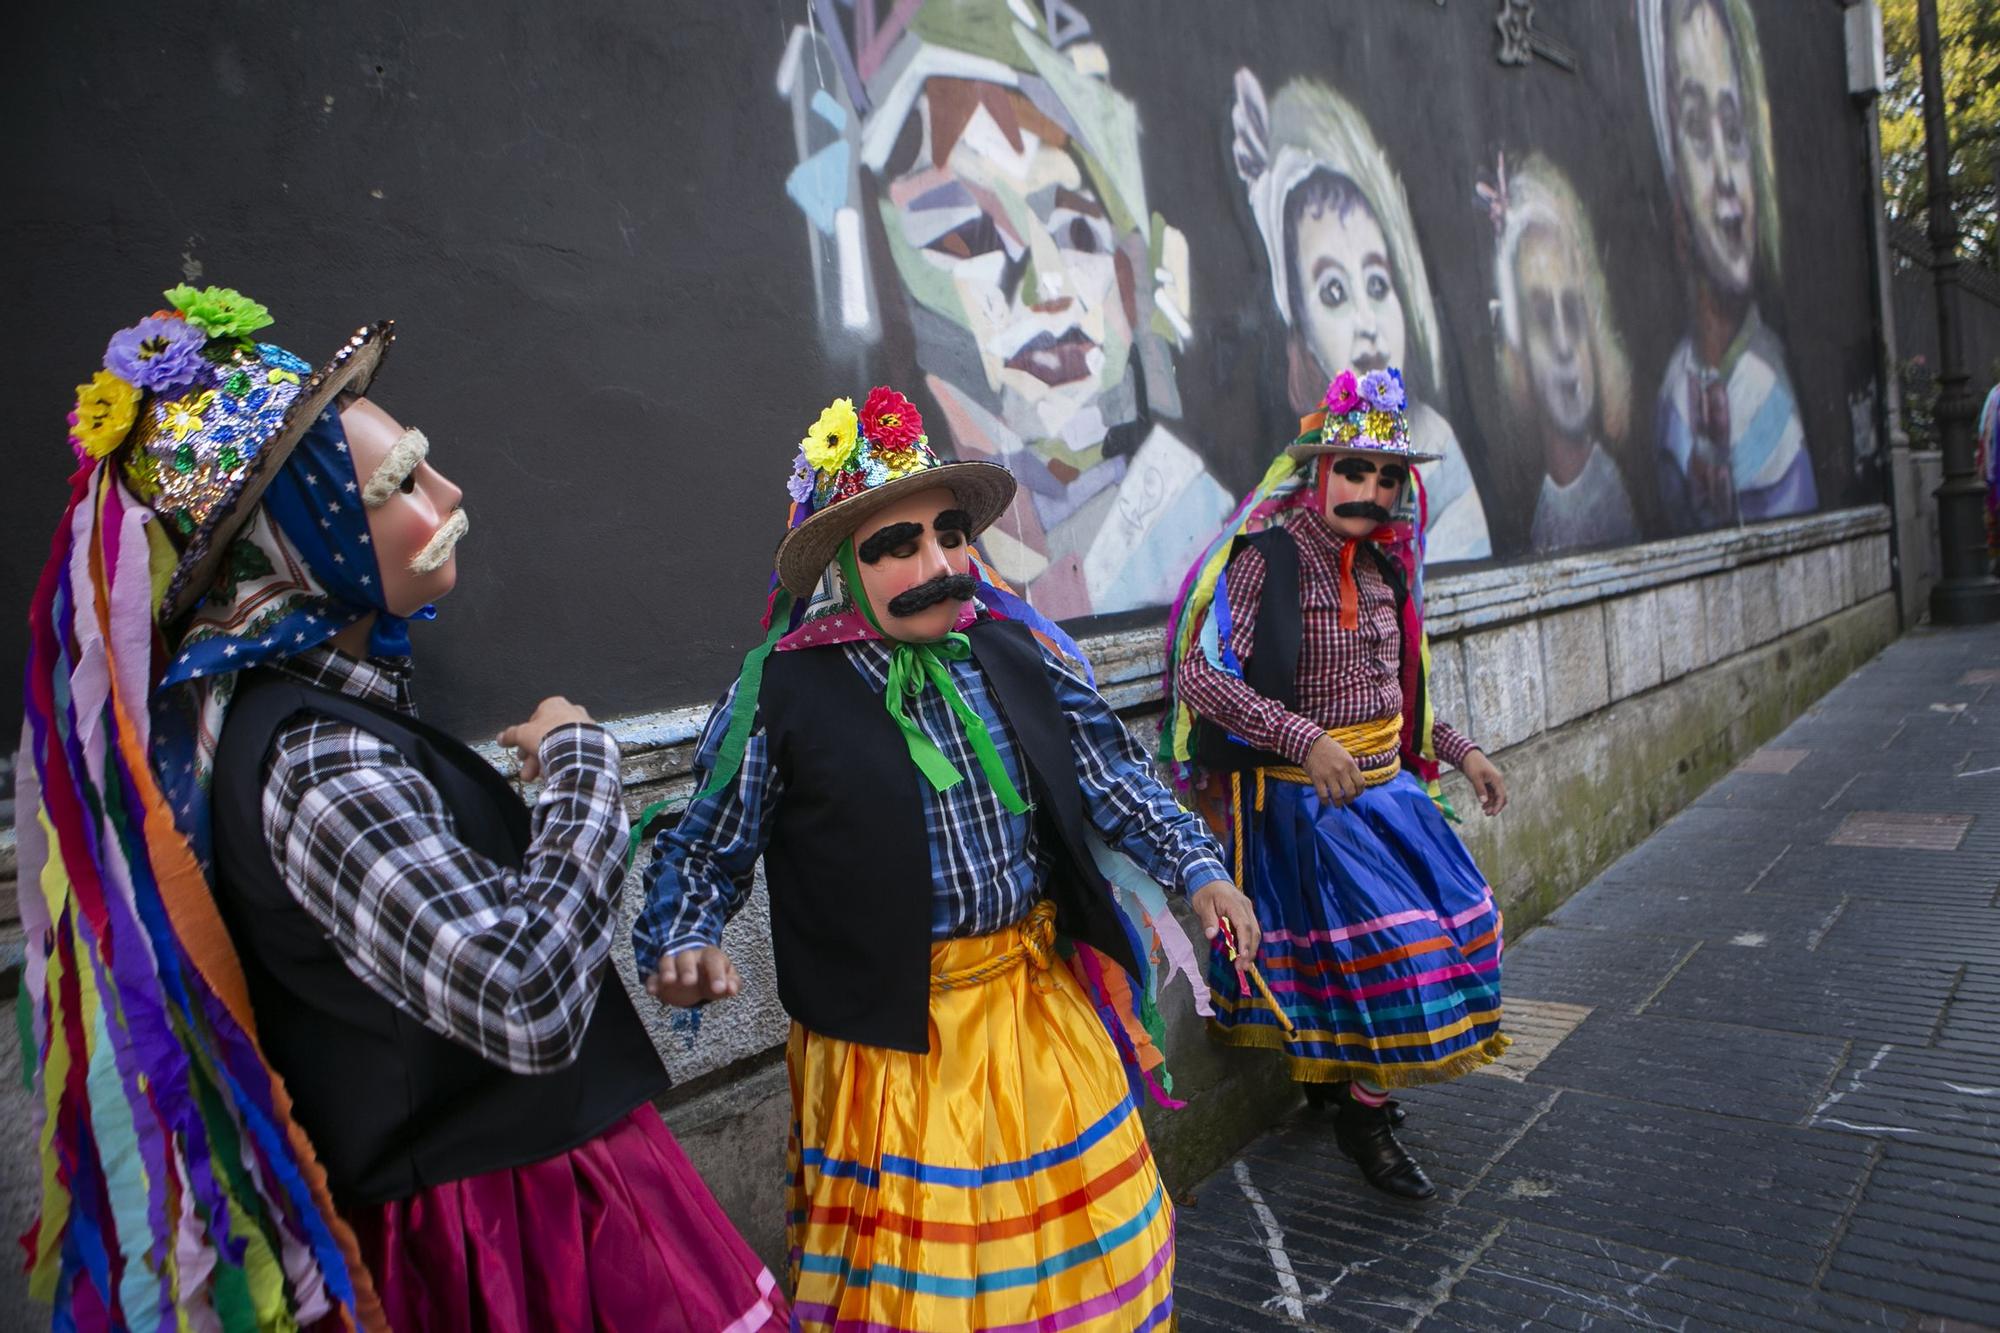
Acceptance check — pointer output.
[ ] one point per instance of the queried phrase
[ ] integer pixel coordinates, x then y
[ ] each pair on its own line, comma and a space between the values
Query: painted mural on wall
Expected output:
1565, 382
984, 148
976, 203
1348, 277
1730, 442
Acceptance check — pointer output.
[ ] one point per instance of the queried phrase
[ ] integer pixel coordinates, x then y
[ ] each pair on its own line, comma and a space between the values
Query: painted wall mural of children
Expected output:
1731, 445
1565, 381
1348, 276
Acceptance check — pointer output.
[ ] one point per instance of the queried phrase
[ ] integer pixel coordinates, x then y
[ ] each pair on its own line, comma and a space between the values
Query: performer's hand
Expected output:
1335, 775
1486, 781
526, 737
1218, 899
693, 976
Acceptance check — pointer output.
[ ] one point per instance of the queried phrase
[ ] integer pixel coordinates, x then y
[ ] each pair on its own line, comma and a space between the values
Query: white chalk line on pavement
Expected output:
1289, 1295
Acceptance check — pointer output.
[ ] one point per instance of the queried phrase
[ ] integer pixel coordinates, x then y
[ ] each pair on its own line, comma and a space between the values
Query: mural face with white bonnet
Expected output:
1348, 277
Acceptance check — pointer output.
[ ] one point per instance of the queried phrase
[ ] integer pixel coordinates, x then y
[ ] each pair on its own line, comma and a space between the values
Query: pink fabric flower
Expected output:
1341, 395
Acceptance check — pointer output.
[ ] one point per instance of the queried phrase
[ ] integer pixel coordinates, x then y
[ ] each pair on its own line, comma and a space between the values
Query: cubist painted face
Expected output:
914, 558
1009, 239
1555, 321
414, 519
1353, 318
1712, 146
1362, 491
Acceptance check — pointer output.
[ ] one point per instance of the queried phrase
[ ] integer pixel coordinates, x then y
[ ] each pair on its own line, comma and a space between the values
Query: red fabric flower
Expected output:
890, 421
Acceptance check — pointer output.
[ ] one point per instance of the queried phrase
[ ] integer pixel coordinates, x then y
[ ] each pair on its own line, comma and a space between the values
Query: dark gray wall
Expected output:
577, 214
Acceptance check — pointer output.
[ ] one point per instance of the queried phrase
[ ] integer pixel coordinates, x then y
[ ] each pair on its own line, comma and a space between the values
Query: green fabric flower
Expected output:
220, 312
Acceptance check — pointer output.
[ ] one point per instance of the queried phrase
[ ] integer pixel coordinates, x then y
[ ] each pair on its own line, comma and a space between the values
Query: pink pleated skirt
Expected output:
618, 1234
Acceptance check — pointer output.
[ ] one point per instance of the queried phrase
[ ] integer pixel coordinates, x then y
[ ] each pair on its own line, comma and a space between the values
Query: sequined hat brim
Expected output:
1306, 452
351, 369
983, 491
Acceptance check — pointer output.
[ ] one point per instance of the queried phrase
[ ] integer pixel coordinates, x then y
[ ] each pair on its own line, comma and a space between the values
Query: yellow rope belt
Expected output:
1363, 740
1036, 945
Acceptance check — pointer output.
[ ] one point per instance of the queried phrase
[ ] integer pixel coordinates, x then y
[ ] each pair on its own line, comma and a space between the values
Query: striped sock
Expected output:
1368, 1094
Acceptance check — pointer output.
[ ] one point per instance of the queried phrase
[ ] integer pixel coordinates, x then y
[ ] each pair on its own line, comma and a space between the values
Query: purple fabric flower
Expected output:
1384, 389
161, 353
800, 484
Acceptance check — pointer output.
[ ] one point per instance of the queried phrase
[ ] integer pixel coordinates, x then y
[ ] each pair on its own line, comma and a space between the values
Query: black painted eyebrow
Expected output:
884, 540
953, 520
1395, 473
1353, 468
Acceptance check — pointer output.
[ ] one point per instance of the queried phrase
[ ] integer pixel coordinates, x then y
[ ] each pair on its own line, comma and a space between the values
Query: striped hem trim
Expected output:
760, 1314
932, 1284
1302, 1036
1383, 923
1096, 1307
1333, 990
962, 1177
963, 1233
1406, 1074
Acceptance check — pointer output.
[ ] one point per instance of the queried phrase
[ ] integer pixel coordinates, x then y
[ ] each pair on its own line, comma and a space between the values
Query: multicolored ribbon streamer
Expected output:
177, 1190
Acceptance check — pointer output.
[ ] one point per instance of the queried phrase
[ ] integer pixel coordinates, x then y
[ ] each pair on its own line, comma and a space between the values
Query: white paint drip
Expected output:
1749, 939
1288, 1295
1976, 772
1972, 1092
1861, 1129
1853, 1082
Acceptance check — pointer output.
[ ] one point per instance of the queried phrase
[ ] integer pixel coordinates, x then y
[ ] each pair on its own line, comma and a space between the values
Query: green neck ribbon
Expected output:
912, 667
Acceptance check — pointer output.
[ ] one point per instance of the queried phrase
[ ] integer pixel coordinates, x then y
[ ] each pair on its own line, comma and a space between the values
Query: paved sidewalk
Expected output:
1757, 1074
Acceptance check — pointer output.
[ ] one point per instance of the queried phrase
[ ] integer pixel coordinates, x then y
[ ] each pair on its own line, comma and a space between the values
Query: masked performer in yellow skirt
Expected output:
925, 778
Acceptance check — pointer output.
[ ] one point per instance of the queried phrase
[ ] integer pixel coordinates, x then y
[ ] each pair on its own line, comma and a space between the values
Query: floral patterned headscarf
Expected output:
301, 570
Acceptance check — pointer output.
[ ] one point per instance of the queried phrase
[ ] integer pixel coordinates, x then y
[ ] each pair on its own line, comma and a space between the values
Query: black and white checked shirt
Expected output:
505, 961
986, 869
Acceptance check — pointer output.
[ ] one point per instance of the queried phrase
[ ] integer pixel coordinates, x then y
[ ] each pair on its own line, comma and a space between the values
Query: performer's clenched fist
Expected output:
693, 976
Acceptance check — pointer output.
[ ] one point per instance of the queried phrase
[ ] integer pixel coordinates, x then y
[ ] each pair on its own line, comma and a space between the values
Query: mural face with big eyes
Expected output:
1023, 244
1555, 312
1352, 317
1712, 148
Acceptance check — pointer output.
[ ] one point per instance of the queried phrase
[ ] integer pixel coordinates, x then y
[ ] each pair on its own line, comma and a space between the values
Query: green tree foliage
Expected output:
1969, 31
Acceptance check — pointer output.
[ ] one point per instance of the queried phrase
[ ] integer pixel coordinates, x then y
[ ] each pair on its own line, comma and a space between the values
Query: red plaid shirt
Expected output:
1345, 676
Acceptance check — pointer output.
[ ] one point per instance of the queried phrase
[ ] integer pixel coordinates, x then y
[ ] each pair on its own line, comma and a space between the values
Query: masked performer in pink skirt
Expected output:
325, 1029
924, 779
1297, 677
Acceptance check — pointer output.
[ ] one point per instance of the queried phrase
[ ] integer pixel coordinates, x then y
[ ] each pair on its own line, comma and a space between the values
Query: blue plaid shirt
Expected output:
986, 869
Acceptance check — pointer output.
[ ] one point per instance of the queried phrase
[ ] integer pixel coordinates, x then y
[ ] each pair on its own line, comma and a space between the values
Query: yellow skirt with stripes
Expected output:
1000, 1181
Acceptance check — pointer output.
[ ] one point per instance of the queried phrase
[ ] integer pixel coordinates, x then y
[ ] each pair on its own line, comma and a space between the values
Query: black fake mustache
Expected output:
952, 587
1361, 509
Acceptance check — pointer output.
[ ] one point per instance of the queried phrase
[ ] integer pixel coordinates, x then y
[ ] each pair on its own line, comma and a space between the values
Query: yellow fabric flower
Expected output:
830, 442
903, 463
184, 417
105, 410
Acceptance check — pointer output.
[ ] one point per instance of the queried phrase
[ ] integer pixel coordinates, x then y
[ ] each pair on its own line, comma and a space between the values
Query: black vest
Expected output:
848, 864
1273, 668
390, 1106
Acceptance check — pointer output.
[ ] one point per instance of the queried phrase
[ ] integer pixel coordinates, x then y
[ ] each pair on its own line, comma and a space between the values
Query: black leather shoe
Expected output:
1365, 1134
